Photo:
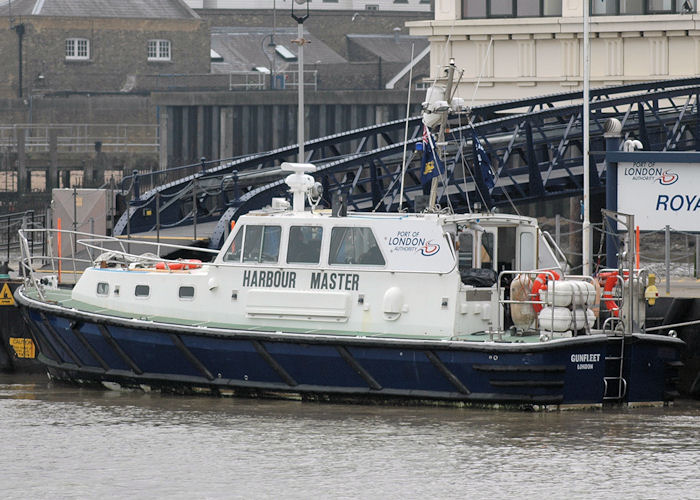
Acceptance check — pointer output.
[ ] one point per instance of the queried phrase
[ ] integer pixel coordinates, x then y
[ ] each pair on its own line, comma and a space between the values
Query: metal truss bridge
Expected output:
535, 147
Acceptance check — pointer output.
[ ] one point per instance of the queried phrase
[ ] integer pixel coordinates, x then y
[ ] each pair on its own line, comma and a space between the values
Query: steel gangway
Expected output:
534, 145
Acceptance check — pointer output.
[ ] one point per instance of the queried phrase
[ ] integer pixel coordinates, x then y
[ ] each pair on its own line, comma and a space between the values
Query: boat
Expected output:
323, 304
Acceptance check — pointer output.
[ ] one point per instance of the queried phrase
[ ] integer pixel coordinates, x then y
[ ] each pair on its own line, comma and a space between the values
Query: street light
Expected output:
272, 60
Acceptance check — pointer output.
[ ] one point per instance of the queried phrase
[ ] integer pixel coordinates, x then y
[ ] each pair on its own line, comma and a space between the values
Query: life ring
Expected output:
183, 265
610, 282
540, 285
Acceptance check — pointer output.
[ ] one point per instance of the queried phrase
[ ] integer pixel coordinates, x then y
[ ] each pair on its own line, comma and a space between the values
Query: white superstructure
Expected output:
393, 274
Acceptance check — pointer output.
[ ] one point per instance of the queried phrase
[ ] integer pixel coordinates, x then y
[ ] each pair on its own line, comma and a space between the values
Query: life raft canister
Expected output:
610, 282
184, 265
541, 284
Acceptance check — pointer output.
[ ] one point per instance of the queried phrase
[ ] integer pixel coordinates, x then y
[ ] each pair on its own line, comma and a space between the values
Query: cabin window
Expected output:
102, 288
261, 243
506, 248
466, 250
142, 290
233, 253
304, 245
186, 292
487, 250
527, 251
355, 245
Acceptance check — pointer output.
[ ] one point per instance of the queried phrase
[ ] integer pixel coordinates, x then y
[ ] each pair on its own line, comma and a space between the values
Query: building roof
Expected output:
243, 49
143, 9
391, 48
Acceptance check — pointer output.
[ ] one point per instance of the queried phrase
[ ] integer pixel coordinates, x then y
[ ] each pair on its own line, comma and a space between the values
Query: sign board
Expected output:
658, 193
6, 298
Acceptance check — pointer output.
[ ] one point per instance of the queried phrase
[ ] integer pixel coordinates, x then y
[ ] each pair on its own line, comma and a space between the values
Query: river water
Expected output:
61, 441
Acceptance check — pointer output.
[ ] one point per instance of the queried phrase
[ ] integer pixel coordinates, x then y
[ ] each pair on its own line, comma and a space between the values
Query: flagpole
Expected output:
586, 239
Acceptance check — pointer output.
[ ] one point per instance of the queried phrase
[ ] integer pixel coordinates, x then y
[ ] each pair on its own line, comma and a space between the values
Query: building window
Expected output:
159, 50
78, 48
479, 9
642, 7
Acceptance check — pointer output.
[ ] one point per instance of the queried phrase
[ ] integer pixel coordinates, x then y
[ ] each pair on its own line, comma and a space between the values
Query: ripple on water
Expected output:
67, 442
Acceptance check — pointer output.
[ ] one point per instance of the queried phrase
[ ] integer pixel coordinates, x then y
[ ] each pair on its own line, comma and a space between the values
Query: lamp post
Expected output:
271, 60
301, 42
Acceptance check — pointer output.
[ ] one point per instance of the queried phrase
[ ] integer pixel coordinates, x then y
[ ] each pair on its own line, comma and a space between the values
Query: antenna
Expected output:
405, 133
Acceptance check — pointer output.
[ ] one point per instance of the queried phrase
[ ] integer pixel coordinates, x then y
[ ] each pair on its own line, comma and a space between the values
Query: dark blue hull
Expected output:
87, 348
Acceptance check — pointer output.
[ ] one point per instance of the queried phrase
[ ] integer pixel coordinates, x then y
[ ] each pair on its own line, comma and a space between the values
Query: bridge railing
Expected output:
81, 138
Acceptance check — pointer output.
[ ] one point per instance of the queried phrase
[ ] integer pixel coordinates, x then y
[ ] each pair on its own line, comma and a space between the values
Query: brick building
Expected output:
96, 45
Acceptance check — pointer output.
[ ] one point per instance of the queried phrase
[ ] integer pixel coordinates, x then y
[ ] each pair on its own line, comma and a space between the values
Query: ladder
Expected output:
615, 383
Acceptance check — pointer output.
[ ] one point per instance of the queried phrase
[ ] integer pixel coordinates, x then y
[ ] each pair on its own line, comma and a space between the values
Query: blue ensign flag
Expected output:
431, 163
483, 160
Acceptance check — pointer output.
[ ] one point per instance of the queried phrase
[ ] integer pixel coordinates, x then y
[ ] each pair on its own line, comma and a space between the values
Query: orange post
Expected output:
636, 250
58, 241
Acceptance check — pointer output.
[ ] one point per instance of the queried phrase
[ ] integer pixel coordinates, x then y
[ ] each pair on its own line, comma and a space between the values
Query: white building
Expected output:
519, 48
356, 5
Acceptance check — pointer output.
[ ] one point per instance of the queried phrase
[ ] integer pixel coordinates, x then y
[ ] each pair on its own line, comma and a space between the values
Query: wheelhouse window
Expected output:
354, 245
479, 9
77, 49
142, 291
261, 243
233, 253
159, 50
186, 292
103, 288
304, 246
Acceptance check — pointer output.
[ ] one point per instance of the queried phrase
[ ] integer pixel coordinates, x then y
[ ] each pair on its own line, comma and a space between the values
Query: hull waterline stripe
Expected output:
446, 372
38, 335
520, 369
274, 364
71, 373
110, 340
359, 369
191, 357
60, 341
79, 335
527, 383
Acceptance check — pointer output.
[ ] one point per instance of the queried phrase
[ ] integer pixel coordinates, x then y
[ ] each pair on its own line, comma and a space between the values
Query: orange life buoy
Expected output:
180, 265
610, 282
540, 285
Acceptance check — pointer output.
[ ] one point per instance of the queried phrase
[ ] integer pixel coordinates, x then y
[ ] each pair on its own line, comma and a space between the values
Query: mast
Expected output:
301, 42
441, 133
586, 239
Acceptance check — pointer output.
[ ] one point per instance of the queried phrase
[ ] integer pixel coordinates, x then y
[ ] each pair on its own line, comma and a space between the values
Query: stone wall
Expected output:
118, 49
